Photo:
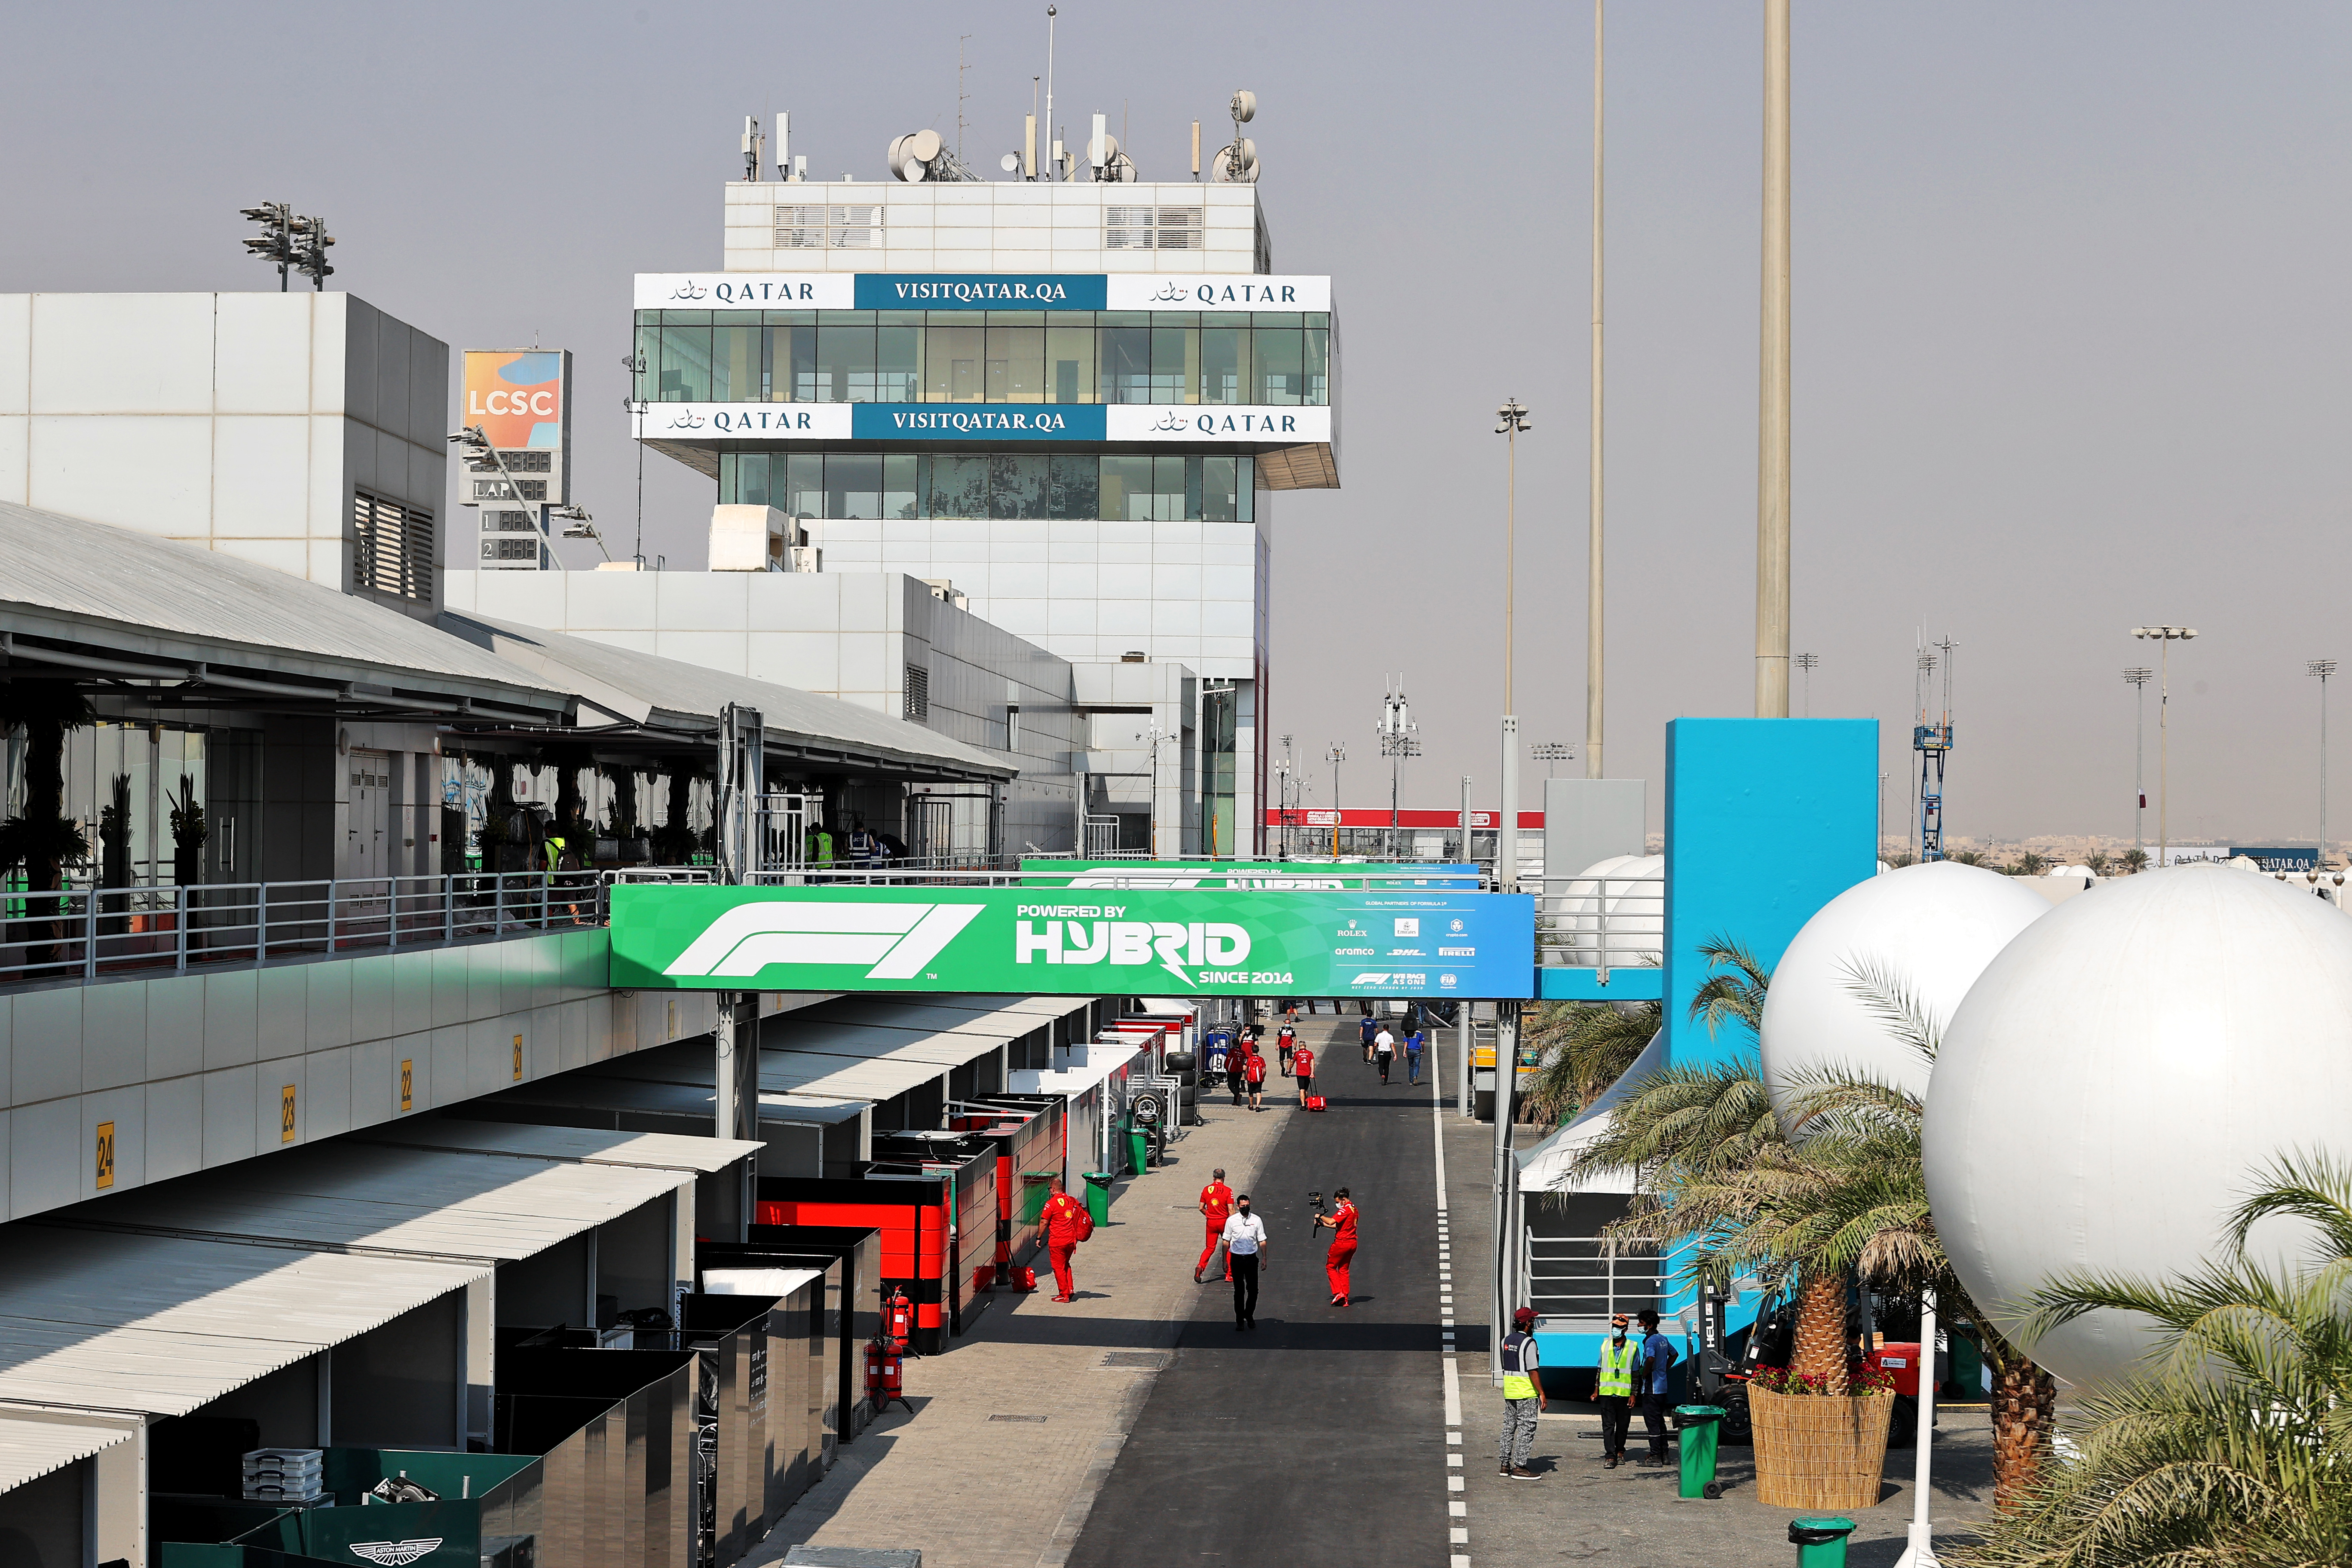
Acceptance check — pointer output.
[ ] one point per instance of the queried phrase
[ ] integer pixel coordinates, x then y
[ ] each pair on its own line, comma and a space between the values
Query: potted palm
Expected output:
42, 839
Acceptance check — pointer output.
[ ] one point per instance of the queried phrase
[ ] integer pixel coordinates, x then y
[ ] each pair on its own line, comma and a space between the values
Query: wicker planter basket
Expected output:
1819, 1453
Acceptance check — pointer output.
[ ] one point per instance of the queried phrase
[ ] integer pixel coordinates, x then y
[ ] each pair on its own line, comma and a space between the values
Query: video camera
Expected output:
1315, 1202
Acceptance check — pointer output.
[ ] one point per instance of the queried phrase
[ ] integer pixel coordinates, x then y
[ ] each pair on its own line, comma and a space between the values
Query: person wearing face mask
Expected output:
1614, 1390
1523, 1395
1245, 1254
1658, 1358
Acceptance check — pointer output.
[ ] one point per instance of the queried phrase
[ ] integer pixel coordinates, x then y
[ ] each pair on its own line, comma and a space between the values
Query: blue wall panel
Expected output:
1767, 820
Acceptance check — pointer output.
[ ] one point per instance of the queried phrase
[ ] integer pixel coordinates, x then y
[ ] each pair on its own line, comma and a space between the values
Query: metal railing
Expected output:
85, 933
1588, 1278
1600, 923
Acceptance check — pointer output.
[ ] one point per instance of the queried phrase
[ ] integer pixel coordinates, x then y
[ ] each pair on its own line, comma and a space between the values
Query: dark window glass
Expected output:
726, 479
1126, 364
649, 318
959, 486
790, 318
1168, 488
1016, 485
1073, 486
805, 484
1281, 370
902, 485
845, 364
751, 473
1069, 364
1245, 488
1217, 500
1281, 318
898, 318
1317, 365
853, 484
648, 372
1126, 488
686, 365
803, 362
735, 363
898, 363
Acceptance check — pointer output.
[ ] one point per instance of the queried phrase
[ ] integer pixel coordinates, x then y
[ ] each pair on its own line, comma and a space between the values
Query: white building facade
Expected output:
1071, 401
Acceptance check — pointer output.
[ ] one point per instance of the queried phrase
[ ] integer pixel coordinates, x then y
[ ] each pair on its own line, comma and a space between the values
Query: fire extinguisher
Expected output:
886, 1377
898, 1315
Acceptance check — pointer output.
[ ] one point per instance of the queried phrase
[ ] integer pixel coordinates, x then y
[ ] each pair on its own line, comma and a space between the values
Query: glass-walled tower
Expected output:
1072, 401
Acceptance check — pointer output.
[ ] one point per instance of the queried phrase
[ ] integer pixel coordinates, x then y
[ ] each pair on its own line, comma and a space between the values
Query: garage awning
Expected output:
377, 1199
32, 1446
159, 1325
1083, 1067
582, 1145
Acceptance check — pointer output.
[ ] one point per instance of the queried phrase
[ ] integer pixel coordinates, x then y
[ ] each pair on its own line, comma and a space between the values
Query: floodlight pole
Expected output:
2138, 675
1513, 424
1593, 647
1335, 756
2166, 636
1461, 1010
2322, 667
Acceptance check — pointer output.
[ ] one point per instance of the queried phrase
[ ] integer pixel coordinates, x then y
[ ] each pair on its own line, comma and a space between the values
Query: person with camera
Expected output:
1342, 1222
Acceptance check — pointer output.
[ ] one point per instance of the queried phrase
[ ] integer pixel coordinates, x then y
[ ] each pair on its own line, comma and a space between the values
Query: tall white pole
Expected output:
1921, 1551
2164, 754
1592, 613
1052, 147
1506, 840
1772, 434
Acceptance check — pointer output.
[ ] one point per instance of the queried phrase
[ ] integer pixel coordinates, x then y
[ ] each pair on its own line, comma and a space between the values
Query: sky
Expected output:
2071, 320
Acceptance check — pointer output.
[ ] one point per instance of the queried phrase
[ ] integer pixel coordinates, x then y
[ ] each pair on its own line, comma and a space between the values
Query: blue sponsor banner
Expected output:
982, 291
976, 422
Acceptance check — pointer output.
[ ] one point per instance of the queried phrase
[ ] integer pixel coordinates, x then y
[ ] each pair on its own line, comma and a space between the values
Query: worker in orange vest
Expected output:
1067, 1224
1216, 1203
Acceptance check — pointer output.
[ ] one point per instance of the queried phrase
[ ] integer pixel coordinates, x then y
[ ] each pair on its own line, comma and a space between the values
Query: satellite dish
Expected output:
1103, 150
1244, 106
1010, 162
911, 169
923, 146
1249, 149
1221, 167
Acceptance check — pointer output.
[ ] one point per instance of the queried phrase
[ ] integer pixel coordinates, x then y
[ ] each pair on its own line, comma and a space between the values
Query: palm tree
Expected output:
2097, 863
2133, 860
2233, 1445
1584, 1048
1848, 1194
2029, 865
43, 840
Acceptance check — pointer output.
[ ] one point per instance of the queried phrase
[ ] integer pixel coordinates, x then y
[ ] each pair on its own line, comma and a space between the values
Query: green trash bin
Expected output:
1701, 1425
1819, 1540
1138, 1148
1098, 1195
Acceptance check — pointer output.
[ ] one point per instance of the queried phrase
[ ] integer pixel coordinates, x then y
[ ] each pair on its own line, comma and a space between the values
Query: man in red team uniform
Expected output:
1216, 1203
1067, 1224
1254, 1070
1286, 1046
1342, 1220
1302, 1063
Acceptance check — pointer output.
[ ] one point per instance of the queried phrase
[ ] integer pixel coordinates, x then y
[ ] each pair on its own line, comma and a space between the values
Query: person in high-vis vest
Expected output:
1523, 1395
1614, 1390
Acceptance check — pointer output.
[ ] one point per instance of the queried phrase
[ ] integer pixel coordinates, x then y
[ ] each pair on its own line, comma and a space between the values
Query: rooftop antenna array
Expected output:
755, 150
1236, 163
1104, 156
923, 155
1931, 737
296, 243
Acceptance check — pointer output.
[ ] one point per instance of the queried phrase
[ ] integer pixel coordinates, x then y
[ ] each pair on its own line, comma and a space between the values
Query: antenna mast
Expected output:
961, 94
1931, 737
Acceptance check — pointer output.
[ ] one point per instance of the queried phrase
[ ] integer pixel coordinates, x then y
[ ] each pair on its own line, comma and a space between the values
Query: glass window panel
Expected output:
845, 364
1126, 364
789, 317
726, 479
1073, 483
959, 486
1016, 485
1021, 352
853, 484
649, 318
1281, 370
1126, 488
1193, 489
803, 352
898, 318
686, 365
898, 363
805, 484
954, 361
902, 485
648, 376
1318, 318
1245, 488
1175, 363
1167, 489
1069, 364
1281, 318
685, 317
1217, 500
866, 319
752, 472
1318, 361
735, 363
1224, 365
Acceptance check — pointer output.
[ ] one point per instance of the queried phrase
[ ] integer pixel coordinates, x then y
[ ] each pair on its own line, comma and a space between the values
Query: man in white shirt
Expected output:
1244, 1239
1384, 1051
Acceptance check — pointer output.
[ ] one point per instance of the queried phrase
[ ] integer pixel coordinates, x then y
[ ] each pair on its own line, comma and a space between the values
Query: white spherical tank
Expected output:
1612, 912
2110, 1088
1930, 929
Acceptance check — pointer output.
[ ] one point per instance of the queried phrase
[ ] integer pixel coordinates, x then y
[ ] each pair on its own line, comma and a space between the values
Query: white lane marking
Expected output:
1454, 1461
1452, 1395
1454, 1438
1454, 1483
1460, 1536
1459, 1510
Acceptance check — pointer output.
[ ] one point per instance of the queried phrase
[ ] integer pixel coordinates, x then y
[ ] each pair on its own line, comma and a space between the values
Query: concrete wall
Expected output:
192, 1069
994, 225
240, 423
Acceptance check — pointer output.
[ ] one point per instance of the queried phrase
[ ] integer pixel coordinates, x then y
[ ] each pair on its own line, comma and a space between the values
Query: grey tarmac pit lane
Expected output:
1317, 1441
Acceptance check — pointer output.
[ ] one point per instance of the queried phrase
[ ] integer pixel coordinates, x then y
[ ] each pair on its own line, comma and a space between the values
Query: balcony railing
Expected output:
1600, 923
88, 933
1578, 1282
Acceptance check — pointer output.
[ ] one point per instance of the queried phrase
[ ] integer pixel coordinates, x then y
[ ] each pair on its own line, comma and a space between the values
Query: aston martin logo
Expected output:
896, 940
395, 1553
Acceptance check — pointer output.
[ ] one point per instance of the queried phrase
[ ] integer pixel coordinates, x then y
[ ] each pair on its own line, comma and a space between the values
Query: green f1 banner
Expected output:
1074, 941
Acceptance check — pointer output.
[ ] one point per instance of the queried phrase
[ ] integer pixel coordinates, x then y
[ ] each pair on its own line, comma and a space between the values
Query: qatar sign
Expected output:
1074, 941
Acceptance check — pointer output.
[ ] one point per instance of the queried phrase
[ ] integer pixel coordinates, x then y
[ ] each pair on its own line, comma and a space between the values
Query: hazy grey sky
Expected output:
2071, 316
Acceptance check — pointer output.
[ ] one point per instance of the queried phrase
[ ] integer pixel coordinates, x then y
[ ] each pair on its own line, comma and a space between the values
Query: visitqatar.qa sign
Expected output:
1074, 941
